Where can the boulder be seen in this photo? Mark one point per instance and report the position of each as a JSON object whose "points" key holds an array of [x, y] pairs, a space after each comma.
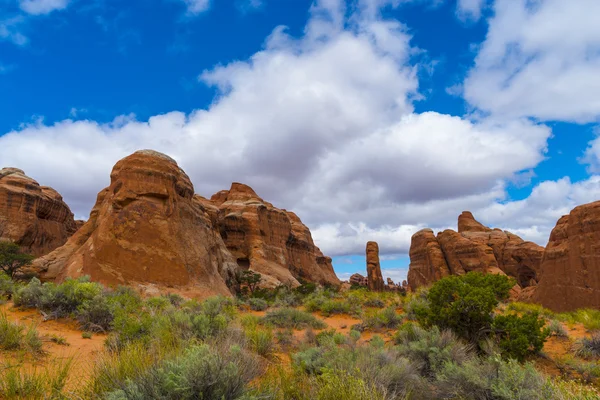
{"points": [[34, 217], [374, 277], [570, 268], [146, 230]]}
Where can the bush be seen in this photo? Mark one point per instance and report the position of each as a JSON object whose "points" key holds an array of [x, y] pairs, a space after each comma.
{"points": [[491, 379], [24, 383], [13, 336], [257, 304], [58, 301], [465, 303], [201, 372], [556, 328], [97, 315], [334, 385], [292, 318], [520, 336], [7, 286], [588, 347], [260, 341], [386, 318]]}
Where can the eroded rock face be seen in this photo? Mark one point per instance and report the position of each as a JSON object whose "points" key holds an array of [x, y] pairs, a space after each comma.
{"points": [[146, 230], [427, 261], [570, 269], [33, 216], [374, 276], [358, 279], [474, 247], [268, 240]]}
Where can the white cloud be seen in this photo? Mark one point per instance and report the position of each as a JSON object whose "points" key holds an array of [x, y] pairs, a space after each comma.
{"points": [[323, 125], [10, 29], [540, 59], [470, 9], [195, 7], [40, 7]]}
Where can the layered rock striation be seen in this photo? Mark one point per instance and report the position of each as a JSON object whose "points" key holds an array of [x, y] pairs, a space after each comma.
{"points": [[33, 216]]}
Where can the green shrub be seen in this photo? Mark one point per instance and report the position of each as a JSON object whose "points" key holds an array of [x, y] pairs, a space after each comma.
{"points": [[11, 334], [491, 379], [257, 304], [431, 349], [285, 337], [86, 335], [465, 303], [260, 341], [556, 328], [7, 286], [589, 371], [335, 385], [588, 347], [97, 315], [330, 337], [201, 372], [292, 318], [520, 336], [386, 318], [59, 339]]}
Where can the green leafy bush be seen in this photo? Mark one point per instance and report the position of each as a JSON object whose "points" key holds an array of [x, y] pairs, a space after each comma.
{"points": [[12, 260], [386, 318], [520, 336], [465, 303], [556, 328]]}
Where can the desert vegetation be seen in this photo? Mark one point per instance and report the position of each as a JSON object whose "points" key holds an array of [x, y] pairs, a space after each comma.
{"points": [[458, 339]]}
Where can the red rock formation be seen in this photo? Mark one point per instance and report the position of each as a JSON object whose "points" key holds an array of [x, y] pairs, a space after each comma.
{"points": [[570, 276], [474, 247], [33, 216], [427, 261], [146, 230], [268, 240], [358, 279], [374, 277]]}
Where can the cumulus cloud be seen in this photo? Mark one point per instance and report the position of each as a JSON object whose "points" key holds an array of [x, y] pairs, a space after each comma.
{"points": [[540, 59], [324, 125], [40, 7]]}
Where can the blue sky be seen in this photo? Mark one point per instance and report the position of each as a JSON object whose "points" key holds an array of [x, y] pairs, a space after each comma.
{"points": [[371, 119]]}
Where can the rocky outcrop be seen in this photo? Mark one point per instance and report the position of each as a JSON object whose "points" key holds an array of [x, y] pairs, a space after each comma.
{"points": [[374, 277], [427, 261], [146, 230], [474, 247], [33, 216], [570, 268], [358, 280], [266, 239]]}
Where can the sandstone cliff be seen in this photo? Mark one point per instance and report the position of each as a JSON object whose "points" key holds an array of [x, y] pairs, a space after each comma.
{"points": [[33, 216], [474, 247], [149, 230], [570, 270]]}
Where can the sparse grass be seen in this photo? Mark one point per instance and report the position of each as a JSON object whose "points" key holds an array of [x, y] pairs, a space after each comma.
{"points": [[17, 382], [14, 336], [59, 339], [86, 335], [588, 347], [589, 318], [260, 341], [292, 318], [556, 328]]}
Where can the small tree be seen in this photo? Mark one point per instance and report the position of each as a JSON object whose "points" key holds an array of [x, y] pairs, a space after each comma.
{"points": [[12, 259], [251, 279]]}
